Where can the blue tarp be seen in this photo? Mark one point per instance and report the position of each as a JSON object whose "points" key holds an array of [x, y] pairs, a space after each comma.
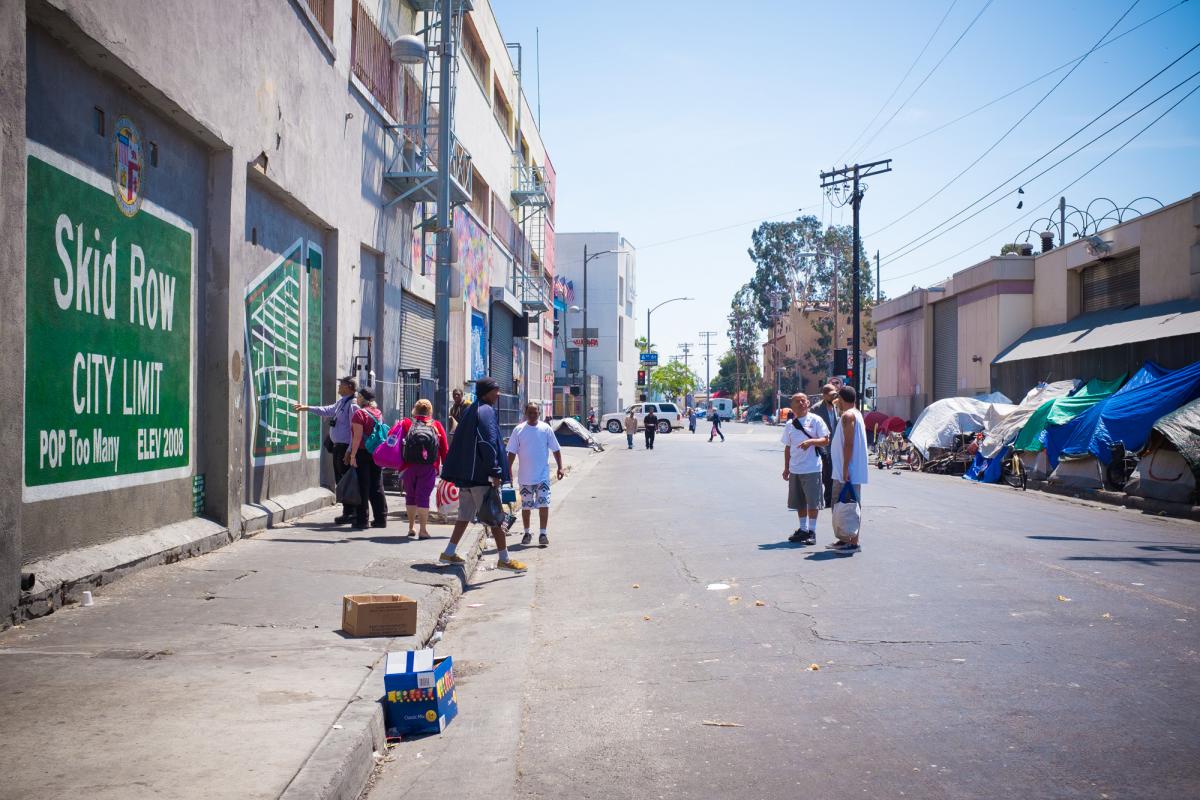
{"points": [[987, 470], [1128, 416]]}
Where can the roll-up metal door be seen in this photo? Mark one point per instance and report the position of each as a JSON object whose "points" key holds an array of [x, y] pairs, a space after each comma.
{"points": [[416, 335], [1115, 283], [500, 355], [945, 349]]}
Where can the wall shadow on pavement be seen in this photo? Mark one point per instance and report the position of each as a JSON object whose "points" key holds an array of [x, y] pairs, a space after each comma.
{"points": [[1149, 561], [1046, 538]]}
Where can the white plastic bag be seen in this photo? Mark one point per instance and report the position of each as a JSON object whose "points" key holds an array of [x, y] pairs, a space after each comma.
{"points": [[847, 514]]}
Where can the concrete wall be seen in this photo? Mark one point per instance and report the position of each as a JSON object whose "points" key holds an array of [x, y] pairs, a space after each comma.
{"points": [[12, 301], [903, 369]]}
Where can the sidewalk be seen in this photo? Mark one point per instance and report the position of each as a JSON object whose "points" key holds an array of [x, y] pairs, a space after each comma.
{"points": [[223, 676]]}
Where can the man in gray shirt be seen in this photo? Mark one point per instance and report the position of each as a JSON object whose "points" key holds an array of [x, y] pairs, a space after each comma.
{"points": [[339, 433]]}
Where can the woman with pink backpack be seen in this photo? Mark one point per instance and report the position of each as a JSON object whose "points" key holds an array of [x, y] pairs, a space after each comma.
{"points": [[422, 443]]}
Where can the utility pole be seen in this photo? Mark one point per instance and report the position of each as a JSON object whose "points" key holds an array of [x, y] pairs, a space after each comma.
{"points": [[829, 181], [686, 347], [441, 314], [587, 409], [878, 287], [708, 362]]}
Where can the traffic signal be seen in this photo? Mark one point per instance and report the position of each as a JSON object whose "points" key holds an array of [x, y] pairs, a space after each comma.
{"points": [[641, 377], [840, 362]]}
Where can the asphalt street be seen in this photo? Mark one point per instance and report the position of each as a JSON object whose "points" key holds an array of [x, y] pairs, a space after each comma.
{"points": [[985, 643]]}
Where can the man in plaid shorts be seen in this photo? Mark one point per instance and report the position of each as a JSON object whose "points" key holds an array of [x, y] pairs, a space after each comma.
{"points": [[531, 444]]}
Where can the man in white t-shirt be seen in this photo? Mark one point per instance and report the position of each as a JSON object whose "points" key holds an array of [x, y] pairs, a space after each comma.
{"points": [[531, 444], [802, 437]]}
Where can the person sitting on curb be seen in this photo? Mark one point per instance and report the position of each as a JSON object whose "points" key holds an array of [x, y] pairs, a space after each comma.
{"points": [[530, 445], [475, 464]]}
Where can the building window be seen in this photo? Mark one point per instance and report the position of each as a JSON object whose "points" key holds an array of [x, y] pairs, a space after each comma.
{"points": [[371, 60], [481, 198], [1113, 283], [322, 11], [503, 111], [473, 51]]}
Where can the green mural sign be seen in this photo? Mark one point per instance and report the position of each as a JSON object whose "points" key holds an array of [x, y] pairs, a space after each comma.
{"points": [[108, 335], [283, 349]]}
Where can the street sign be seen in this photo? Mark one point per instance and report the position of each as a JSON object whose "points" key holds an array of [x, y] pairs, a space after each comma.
{"points": [[649, 358]]}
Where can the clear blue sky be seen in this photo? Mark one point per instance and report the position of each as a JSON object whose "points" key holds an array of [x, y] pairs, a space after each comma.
{"points": [[668, 119]]}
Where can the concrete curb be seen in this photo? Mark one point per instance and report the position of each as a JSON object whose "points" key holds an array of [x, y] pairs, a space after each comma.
{"points": [[1144, 504], [258, 517], [338, 768]]}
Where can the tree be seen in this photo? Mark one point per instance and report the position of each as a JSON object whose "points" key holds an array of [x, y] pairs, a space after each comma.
{"points": [[732, 377], [743, 335], [780, 272], [641, 344], [673, 380]]}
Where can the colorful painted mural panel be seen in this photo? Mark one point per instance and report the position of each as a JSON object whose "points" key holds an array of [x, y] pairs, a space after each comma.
{"points": [[471, 242]]}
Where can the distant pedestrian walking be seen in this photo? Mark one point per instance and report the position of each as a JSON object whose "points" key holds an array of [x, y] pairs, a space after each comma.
{"points": [[370, 475], [803, 437], [716, 424], [848, 449], [530, 446], [338, 440], [423, 447], [691, 415], [651, 423], [630, 427], [475, 464]]}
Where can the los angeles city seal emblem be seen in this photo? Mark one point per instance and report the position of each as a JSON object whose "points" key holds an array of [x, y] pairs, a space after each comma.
{"points": [[128, 166]]}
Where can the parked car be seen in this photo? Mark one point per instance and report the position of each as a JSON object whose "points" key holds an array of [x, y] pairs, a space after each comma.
{"points": [[669, 417], [723, 406]]}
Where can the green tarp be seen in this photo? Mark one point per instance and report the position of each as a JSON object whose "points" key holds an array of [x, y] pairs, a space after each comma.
{"points": [[1182, 428], [1063, 409]]}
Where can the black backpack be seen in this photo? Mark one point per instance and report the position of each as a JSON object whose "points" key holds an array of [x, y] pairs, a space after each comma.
{"points": [[421, 444]]}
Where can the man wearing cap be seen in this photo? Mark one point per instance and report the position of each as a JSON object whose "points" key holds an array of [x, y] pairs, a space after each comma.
{"points": [[339, 432], [476, 462]]}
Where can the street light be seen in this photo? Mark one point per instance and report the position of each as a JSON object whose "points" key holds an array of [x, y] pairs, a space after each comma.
{"points": [[586, 258], [649, 341]]}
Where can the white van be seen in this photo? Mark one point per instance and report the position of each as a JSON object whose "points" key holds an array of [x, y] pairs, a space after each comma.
{"points": [[722, 406]]}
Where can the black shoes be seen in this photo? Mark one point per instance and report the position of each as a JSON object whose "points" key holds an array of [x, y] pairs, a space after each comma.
{"points": [[342, 519], [803, 537]]}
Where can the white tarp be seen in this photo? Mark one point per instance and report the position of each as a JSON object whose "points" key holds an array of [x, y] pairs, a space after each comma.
{"points": [[1163, 474], [1001, 432], [940, 422], [571, 432], [995, 397]]}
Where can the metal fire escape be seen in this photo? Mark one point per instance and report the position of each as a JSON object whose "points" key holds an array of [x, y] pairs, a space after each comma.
{"points": [[531, 201], [412, 163]]}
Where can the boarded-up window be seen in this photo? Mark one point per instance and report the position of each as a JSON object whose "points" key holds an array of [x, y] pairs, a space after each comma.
{"points": [[1115, 283], [503, 111], [472, 50], [481, 198]]}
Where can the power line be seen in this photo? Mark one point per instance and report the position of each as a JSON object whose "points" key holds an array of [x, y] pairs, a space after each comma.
{"points": [[1012, 128], [897, 254], [928, 75], [891, 96], [1038, 79], [1050, 199]]}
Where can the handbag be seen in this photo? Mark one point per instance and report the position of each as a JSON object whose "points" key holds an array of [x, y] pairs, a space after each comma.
{"points": [[847, 514], [347, 492], [390, 454]]}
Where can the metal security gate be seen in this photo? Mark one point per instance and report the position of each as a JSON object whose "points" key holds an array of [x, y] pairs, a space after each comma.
{"points": [[416, 335], [1114, 283], [500, 356], [945, 349]]}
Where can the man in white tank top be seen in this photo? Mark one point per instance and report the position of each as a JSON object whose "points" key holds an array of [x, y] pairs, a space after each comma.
{"points": [[848, 452]]}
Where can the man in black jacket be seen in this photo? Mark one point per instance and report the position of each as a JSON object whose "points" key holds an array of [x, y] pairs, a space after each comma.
{"points": [[477, 464], [829, 414]]}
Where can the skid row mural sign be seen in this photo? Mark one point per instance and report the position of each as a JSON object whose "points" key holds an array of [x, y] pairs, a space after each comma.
{"points": [[283, 348], [108, 332]]}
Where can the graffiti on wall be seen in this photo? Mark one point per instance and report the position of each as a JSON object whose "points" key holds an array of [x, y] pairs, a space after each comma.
{"points": [[471, 242], [283, 343]]}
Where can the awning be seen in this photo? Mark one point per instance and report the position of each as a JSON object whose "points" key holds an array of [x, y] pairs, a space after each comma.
{"points": [[1107, 329]]}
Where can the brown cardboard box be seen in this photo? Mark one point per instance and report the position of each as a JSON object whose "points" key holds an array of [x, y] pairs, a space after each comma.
{"points": [[379, 615]]}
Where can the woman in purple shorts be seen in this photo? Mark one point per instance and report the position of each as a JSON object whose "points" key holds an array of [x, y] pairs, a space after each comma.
{"points": [[424, 445]]}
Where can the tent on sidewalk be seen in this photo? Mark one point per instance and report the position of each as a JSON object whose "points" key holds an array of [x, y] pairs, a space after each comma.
{"points": [[1170, 465], [1001, 432], [571, 433], [1126, 418], [945, 419], [1059, 410]]}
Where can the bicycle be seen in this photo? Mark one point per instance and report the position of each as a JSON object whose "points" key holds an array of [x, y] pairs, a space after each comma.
{"points": [[1013, 472]]}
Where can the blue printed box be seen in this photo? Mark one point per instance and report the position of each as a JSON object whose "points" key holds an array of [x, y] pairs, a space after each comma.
{"points": [[420, 692]]}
